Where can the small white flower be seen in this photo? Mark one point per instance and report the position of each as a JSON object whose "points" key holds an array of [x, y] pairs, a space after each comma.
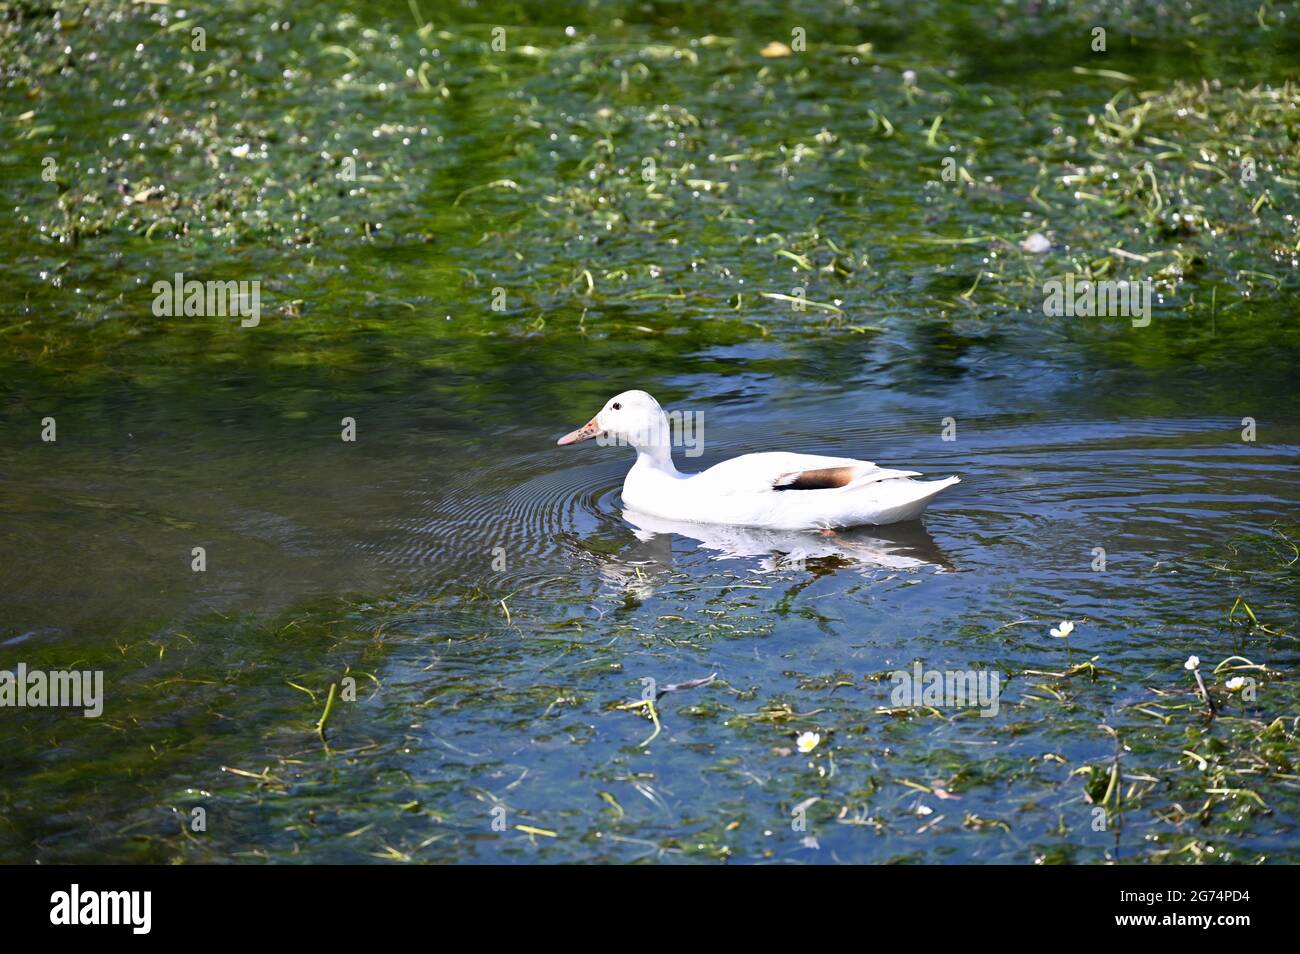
{"points": [[1036, 244], [1193, 662], [1064, 630], [241, 151], [1235, 684], [807, 741]]}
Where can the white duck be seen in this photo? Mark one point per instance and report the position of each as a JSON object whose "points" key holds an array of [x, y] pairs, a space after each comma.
{"points": [[774, 491]]}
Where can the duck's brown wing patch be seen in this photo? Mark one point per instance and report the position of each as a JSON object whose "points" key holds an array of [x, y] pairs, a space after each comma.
{"points": [[824, 478]]}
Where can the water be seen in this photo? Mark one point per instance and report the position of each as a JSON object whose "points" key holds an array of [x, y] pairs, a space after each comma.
{"points": [[484, 589]]}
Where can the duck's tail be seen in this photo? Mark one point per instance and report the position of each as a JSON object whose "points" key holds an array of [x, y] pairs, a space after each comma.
{"points": [[894, 501]]}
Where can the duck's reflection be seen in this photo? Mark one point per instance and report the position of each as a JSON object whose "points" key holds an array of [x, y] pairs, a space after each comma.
{"points": [[903, 546]]}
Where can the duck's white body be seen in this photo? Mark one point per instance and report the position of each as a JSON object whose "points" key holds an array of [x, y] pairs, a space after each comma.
{"points": [[772, 491], [747, 491]]}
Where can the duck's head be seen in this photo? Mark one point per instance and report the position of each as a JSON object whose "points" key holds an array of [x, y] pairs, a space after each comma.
{"points": [[632, 418]]}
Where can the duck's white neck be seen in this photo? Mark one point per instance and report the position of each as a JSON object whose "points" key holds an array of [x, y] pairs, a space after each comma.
{"points": [[658, 456], [653, 442]]}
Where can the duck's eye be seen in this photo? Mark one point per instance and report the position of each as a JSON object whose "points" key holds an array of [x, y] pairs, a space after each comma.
{"points": [[617, 406]]}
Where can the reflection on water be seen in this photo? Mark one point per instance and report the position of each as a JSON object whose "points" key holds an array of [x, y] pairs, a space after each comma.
{"points": [[906, 546], [495, 602]]}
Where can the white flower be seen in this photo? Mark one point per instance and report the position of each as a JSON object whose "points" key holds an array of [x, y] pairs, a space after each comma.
{"points": [[1235, 684], [1193, 662], [1064, 630], [807, 741], [1036, 244], [240, 151]]}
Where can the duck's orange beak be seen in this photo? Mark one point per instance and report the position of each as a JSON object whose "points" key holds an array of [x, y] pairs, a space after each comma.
{"points": [[585, 433]]}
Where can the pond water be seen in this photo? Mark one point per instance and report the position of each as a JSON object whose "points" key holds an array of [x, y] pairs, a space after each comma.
{"points": [[502, 263]]}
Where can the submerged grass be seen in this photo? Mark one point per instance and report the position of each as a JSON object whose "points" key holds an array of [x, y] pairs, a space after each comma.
{"points": [[630, 158]]}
